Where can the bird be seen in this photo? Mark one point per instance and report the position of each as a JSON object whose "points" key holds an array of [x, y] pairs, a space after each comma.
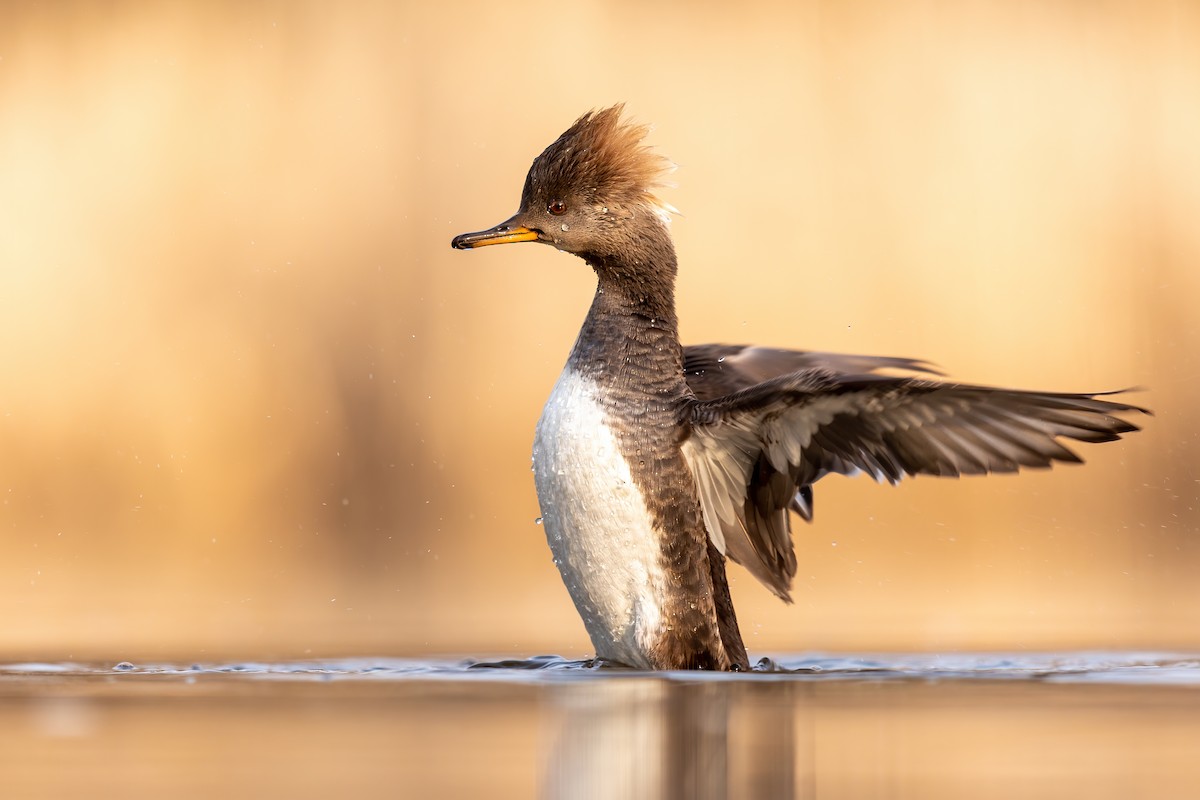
{"points": [[654, 463]]}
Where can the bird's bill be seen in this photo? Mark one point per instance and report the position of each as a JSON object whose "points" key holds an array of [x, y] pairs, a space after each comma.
{"points": [[505, 233]]}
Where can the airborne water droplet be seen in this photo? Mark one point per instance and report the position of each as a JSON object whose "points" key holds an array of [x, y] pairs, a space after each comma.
{"points": [[537, 521]]}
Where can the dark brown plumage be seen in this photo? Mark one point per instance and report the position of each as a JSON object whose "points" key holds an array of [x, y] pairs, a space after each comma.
{"points": [[712, 444]]}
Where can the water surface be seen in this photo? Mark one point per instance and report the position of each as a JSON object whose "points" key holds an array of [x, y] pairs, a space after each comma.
{"points": [[894, 726]]}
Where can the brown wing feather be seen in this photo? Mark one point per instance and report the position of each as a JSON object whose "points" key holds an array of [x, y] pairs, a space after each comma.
{"points": [[794, 429], [717, 370]]}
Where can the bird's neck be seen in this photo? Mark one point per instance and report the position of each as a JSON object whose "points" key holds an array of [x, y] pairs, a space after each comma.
{"points": [[631, 334]]}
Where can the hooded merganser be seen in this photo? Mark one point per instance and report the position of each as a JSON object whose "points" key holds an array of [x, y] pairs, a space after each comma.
{"points": [[654, 461]]}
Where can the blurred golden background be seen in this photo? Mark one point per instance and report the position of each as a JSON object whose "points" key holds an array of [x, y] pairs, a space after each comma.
{"points": [[253, 405]]}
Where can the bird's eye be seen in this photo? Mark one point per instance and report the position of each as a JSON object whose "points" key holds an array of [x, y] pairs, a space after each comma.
{"points": [[556, 207]]}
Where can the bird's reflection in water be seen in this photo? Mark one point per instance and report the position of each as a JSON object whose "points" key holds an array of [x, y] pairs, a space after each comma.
{"points": [[653, 738]]}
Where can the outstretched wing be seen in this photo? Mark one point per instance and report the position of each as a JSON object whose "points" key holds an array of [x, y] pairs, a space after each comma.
{"points": [[716, 370], [751, 451]]}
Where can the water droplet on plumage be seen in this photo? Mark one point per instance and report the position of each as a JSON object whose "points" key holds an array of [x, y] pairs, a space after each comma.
{"points": [[537, 521]]}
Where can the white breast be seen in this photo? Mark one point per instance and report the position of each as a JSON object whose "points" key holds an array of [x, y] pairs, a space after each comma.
{"points": [[596, 523]]}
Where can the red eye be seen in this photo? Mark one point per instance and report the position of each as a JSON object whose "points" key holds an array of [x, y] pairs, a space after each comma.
{"points": [[556, 207]]}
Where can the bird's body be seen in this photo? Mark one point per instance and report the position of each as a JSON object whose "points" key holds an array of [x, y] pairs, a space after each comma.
{"points": [[603, 539], [653, 462]]}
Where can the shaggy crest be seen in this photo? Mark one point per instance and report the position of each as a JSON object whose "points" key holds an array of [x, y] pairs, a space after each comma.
{"points": [[603, 158]]}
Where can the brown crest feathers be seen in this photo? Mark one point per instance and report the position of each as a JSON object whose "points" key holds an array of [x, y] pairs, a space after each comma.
{"points": [[601, 158]]}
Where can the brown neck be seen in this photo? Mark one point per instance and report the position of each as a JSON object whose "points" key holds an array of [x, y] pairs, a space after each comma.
{"points": [[631, 335]]}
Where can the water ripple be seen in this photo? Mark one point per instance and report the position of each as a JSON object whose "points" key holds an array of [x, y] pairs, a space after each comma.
{"points": [[1103, 667]]}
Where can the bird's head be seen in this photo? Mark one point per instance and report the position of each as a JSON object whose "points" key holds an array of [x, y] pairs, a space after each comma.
{"points": [[591, 193]]}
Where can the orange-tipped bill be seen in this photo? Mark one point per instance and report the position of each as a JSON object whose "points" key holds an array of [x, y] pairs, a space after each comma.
{"points": [[504, 233]]}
